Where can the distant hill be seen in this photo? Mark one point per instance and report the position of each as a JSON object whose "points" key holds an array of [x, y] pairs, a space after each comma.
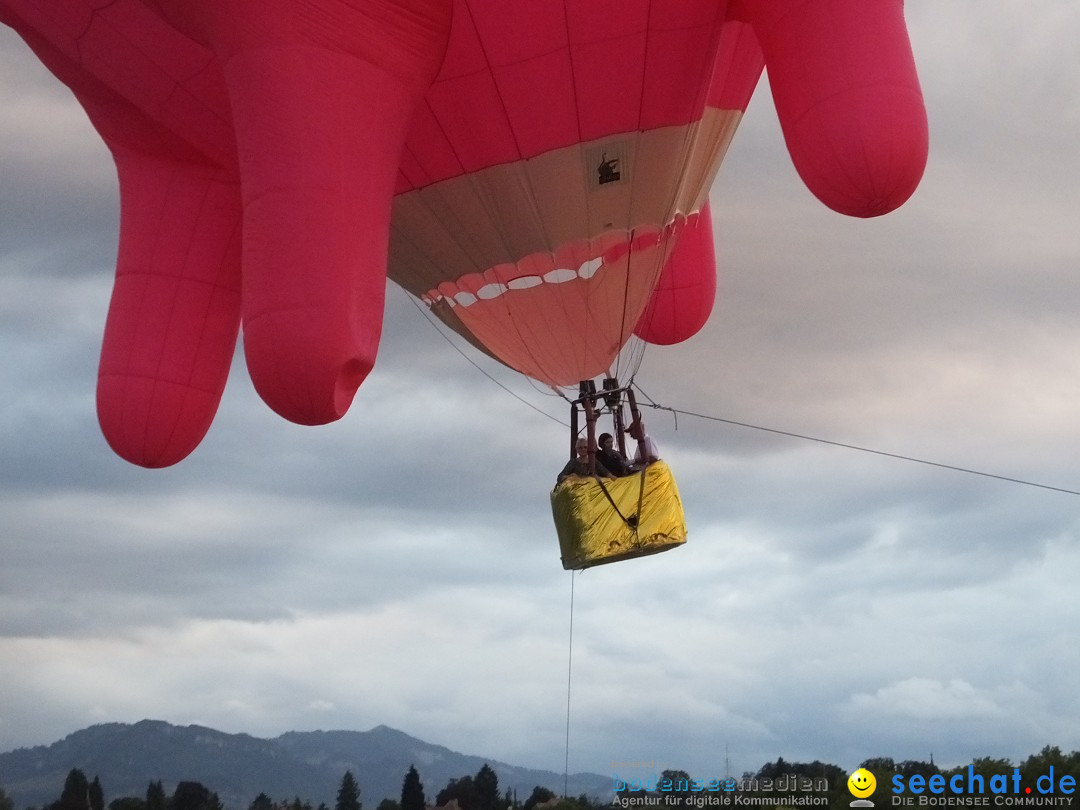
{"points": [[127, 757]]}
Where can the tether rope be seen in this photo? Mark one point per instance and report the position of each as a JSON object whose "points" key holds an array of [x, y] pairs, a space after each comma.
{"points": [[569, 673], [861, 449]]}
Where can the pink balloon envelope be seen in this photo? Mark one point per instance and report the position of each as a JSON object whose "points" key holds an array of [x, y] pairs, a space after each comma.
{"points": [[536, 171]]}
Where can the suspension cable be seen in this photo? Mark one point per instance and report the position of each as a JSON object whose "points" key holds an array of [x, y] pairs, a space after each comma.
{"points": [[475, 365]]}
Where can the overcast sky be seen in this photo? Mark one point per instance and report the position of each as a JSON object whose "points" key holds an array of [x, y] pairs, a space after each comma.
{"points": [[400, 567]]}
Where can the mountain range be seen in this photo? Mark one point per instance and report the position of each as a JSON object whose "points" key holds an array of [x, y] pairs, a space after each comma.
{"points": [[238, 767]]}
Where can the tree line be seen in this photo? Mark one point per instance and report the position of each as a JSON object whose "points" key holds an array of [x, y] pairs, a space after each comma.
{"points": [[481, 791], [827, 780], [478, 791]]}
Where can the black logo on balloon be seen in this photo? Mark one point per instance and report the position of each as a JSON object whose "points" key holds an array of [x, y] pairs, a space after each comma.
{"points": [[608, 170]]}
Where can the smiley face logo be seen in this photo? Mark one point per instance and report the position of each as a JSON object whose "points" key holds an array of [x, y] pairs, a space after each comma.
{"points": [[861, 783]]}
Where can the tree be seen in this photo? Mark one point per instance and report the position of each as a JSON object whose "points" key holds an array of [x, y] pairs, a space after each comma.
{"points": [[5, 802], [194, 796], [348, 796], [539, 795], [675, 784], [127, 803], [76, 793], [96, 795], [261, 802], [389, 804], [462, 790], [913, 767], [582, 802], [412, 791], [815, 774], [155, 796], [879, 765], [1051, 756], [487, 789], [987, 767]]}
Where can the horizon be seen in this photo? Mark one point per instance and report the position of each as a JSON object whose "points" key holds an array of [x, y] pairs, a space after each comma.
{"points": [[636, 770]]}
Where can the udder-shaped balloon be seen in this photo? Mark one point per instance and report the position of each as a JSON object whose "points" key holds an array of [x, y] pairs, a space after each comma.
{"points": [[256, 143], [526, 168]]}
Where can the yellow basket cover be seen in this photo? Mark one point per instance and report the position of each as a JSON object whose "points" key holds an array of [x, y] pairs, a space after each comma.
{"points": [[591, 529]]}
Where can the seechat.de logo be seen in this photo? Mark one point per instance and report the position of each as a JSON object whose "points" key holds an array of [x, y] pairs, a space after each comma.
{"points": [[862, 784]]}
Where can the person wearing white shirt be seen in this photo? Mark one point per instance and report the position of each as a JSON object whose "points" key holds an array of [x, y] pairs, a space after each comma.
{"points": [[647, 452]]}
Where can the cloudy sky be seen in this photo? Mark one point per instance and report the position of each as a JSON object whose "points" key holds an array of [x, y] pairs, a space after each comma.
{"points": [[400, 567]]}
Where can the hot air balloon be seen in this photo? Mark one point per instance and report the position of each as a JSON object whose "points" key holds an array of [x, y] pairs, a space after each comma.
{"points": [[535, 171]]}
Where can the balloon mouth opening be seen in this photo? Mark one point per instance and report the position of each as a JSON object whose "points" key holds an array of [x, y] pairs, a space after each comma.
{"points": [[583, 260]]}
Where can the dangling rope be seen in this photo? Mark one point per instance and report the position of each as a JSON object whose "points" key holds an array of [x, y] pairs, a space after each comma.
{"points": [[641, 497], [569, 673], [632, 521]]}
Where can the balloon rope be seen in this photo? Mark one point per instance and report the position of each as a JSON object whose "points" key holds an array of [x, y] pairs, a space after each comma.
{"points": [[861, 449], [569, 672], [424, 311]]}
